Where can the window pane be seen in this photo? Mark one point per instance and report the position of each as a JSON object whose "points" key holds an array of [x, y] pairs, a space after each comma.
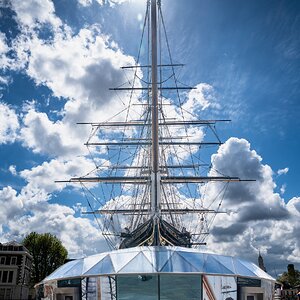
{"points": [[8, 294], [13, 261], [10, 277], [178, 287], [137, 287], [4, 277]]}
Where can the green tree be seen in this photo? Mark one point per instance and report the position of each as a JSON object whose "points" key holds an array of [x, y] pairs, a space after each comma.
{"points": [[291, 277], [48, 254]]}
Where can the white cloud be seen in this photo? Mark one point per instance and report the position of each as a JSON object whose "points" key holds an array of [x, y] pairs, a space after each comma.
{"points": [[257, 216], [43, 177], [80, 68], [3, 46], [294, 206], [282, 171], [9, 124], [34, 12], [101, 2], [235, 158], [200, 99], [85, 2], [52, 138], [283, 189], [79, 235], [10, 205], [4, 60], [12, 170], [4, 80]]}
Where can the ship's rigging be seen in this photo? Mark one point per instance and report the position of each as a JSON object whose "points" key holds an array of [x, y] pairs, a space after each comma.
{"points": [[152, 188]]}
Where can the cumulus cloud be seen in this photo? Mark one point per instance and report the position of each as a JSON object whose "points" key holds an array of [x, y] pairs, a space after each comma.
{"points": [[49, 137], [80, 69], [235, 158], [9, 124], [200, 99], [43, 177], [10, 205], [79, 235], [34, 12], [257, 217], [28, 210]]}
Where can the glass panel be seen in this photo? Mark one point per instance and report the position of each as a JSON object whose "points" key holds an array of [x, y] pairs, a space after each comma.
{"points": [[148, 286], [178, 287], [269, 288], [219, 287], [142, 286]]}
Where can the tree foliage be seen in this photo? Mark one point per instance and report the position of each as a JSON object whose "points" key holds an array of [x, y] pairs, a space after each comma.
{"points": [[48, 254], [291, 277]]}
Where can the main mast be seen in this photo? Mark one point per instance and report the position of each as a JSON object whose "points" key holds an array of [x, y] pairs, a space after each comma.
{"points": [[155, 174], [155, 208]]}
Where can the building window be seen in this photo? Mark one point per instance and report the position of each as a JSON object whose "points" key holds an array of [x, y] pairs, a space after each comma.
{"points": [[5, 293], [2, 293], [2, 260], [4, 276], [13, 260], [164, 286], [10, 276]]}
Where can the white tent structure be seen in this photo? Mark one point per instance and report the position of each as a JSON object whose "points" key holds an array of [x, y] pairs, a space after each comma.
{"points": [[168, 271], [146, 260]]}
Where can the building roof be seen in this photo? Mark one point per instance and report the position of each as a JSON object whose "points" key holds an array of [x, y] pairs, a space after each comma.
{"points": [[13, 246], [145, 260]]}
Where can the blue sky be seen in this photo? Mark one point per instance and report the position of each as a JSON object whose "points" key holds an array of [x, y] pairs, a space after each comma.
{"points": [[57, 61]]}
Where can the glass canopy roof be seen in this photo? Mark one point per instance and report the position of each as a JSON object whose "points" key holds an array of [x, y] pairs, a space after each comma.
{"points": [[145, 260]]}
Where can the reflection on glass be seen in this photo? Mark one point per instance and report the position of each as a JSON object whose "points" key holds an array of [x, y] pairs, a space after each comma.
{"points": [[219, 288], [142, 286], [162, 287], [178, 287]]}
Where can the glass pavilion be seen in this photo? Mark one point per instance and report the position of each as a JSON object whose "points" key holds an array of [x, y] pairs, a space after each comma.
{"points": [[152, 273]]}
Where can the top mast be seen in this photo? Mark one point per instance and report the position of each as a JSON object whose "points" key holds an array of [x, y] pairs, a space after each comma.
{"points": [[155, 176]]}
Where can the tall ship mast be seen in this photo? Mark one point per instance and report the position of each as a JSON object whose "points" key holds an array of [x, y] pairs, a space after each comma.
{"points": [[153, 194], [152, 186]]}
